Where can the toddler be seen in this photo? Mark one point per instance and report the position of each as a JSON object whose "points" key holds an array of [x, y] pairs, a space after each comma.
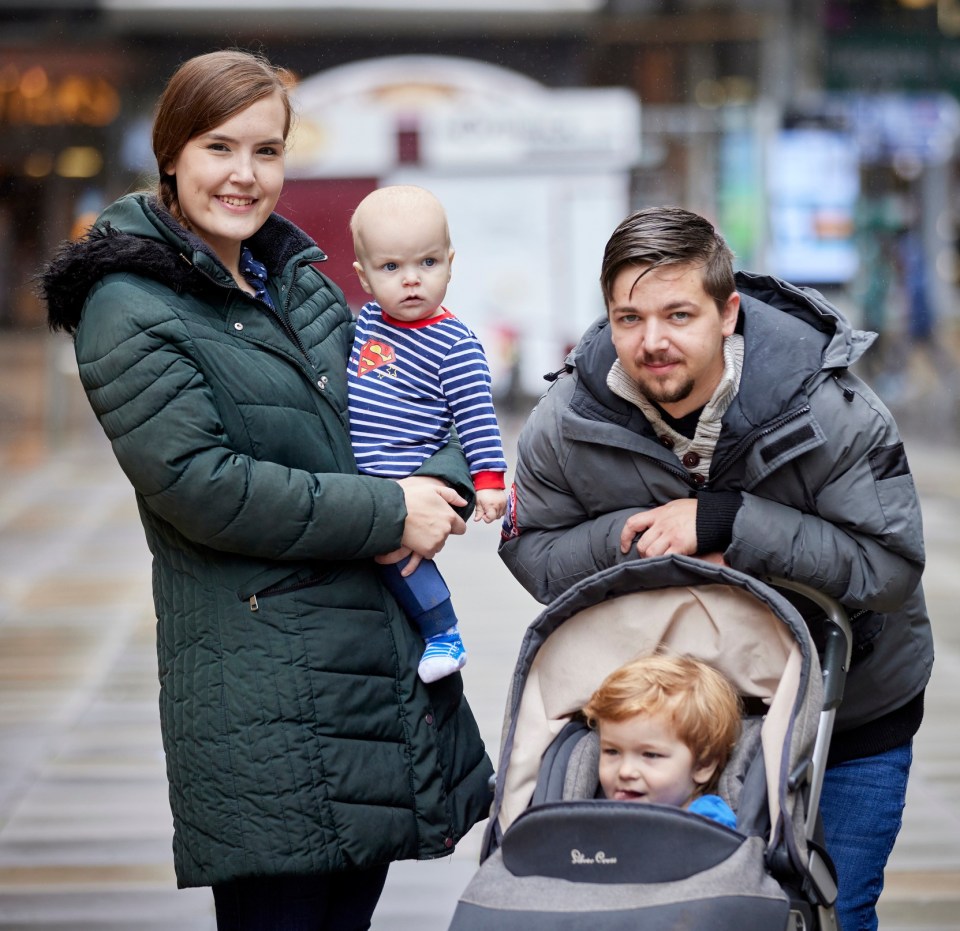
{"points": [[416, 371], [667, 726]]}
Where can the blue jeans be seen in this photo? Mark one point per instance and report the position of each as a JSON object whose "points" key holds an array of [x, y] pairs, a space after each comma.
{"points": [[862, 809], [320, 902]]}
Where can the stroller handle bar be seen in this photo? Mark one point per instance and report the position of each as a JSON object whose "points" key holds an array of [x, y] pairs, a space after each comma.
{"points": [[833, 665], [835, 660]]}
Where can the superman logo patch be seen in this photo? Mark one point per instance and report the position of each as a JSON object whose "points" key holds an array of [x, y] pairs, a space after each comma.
{"points": [[373, 354]]}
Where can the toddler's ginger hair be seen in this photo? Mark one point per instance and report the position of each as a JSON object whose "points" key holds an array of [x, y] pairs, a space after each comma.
{"points": [[699, 702]]}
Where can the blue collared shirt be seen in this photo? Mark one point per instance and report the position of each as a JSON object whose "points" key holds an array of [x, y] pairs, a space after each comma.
{"points": [[256, 275]]}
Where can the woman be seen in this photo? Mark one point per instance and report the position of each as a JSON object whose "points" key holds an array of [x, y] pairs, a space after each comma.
{"points": [[303, 753]]}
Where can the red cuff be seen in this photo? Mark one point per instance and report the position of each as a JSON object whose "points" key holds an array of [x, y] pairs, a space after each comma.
{"points": [[485, 480]]}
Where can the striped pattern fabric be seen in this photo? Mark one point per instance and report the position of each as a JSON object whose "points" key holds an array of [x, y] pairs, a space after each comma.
{"points": [[409, 383]]}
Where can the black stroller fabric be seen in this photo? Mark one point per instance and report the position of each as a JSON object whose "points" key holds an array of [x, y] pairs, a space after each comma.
{"points": [[556, 857]]}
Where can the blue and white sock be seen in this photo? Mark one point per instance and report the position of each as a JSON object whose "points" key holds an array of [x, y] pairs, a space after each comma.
{"points": [[444, 655]]}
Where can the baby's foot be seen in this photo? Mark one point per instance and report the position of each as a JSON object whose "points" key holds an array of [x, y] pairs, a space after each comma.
{"points": [[444, 655]]}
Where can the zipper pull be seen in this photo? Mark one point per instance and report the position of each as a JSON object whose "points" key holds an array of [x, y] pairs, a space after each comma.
{"points": [[253, 603]]}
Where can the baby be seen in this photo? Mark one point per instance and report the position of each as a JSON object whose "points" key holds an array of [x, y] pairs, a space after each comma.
{"points": [[667, 726], [416, 371]]}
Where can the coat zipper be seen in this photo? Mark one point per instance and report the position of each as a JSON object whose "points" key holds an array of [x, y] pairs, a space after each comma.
{"points": [[754, 438], [270, 591], [281, 317]]}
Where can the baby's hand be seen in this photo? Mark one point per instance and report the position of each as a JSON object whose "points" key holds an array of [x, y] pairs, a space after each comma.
{"points": [[491, 504]]}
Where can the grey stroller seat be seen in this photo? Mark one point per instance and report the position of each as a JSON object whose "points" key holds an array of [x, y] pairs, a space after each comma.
{"points": [[556, 857]]}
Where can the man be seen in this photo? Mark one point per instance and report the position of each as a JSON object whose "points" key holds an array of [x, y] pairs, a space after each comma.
{"points": [[714, 415]]}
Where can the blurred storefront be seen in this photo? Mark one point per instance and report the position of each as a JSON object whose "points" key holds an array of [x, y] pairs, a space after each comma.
{"points": [[742, 100], [59, 112]]}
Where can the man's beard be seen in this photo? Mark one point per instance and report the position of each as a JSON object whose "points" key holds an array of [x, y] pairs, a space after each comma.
{"points": [[664, 394]]}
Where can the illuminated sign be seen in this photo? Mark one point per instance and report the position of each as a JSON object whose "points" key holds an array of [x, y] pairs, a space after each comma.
{"points": [[31, 97]]}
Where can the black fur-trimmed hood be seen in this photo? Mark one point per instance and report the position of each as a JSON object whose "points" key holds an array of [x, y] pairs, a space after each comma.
{"points": [[77, 266], [149, 242]]}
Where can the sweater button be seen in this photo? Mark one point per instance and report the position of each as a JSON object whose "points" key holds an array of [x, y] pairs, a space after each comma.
{"points": [[666, 441], [698, 479], [690, 459]]}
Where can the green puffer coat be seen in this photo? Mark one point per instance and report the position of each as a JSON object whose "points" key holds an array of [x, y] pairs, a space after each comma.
{"points": [[298, 736]]}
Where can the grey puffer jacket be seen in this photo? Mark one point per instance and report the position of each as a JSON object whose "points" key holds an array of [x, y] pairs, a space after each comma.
{"points": [[298, 736], [828, 497]]}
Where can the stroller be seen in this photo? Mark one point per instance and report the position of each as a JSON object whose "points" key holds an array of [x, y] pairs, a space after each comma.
{"points": [[556, 857]]}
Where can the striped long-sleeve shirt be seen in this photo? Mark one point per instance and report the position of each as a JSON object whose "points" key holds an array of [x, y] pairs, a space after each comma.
{"points": [[409, 383]]}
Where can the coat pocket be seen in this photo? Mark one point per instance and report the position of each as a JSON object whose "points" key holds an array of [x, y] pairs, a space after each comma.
{"points": [[278, 580]]}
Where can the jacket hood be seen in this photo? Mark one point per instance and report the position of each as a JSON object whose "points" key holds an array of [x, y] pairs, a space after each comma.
{"points": [[138, 235], [844, 345]]}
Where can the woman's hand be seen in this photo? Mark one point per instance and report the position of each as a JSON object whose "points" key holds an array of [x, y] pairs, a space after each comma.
{"points": [[431, 518]]}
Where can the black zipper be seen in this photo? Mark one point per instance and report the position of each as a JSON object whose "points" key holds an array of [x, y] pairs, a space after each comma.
{"points": [[280, 589], [280, 317], [681, 474], [753, 438], [285, 316]]}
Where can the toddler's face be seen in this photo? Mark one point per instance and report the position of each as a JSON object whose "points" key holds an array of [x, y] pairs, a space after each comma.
{"points": [[643, 760], [406, 265]]}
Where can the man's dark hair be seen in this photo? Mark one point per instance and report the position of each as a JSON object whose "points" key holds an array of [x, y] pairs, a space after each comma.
{"points": [[657, 236]]}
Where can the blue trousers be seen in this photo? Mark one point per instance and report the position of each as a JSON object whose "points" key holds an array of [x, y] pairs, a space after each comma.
{"points": [[319, 902], [423, 596], [862, 810]]}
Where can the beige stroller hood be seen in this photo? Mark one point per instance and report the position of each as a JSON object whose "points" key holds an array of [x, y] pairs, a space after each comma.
{"points": [[744, 628]]}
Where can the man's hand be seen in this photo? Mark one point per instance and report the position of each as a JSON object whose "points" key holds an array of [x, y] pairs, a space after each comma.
{"points": [[670, 528]]}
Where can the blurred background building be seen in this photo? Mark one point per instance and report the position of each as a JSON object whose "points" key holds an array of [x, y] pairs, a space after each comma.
{"points": [[820, 135]]}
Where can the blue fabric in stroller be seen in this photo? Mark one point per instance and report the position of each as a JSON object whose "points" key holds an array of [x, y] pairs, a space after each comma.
{"points": [[557, 857]]}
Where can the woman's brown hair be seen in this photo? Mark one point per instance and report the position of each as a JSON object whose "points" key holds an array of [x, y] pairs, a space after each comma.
{"points": [[203, 93]]}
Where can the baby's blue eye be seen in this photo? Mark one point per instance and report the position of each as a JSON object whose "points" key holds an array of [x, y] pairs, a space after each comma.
{"points": [[429, 262], [390, 266]]}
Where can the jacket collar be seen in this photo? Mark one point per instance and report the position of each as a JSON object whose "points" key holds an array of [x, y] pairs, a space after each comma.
{"points": [[792, 330], [136, 234], [785, 329]]}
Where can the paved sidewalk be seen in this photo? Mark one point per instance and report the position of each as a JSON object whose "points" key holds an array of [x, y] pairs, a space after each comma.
{"points": [[84, 823]]}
